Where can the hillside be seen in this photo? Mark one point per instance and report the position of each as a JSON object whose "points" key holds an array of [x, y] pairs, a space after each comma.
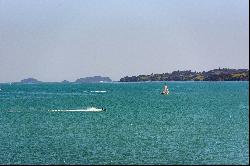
{"points": [[224, 74]]}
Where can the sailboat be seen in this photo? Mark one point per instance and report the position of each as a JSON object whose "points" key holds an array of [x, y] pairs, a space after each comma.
{"points": [[165, 90]]}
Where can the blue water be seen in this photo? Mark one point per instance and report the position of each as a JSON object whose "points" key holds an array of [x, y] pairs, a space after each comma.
{"points": [[197, 123]]}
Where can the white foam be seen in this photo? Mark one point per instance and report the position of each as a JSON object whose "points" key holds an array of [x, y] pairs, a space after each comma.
{"points": [[99, 91], [90, 109]]}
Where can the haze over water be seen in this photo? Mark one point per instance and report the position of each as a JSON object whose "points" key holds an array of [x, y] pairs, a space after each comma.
{"points": [[70, 39]]}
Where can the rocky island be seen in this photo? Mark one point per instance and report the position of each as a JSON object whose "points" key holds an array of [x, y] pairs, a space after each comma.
{"points": [[65, 82], [224, 74], [94, 79], [30, 81]]}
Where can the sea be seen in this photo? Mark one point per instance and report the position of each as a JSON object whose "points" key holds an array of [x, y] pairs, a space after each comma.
{"points": [[124, 123]]}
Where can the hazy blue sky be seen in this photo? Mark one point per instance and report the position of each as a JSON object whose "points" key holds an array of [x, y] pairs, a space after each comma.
{"points": [[52, 40]]}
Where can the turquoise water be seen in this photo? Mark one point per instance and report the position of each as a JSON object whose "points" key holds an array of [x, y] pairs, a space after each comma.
{"points": [[197, 123]]}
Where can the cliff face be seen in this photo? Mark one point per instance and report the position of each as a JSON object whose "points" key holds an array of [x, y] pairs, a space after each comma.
{"points": [[211, 75], [93, 79]]}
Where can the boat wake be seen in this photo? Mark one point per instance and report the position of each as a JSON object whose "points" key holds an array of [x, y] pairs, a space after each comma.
{"points": [[90, 109], [98, 91]]}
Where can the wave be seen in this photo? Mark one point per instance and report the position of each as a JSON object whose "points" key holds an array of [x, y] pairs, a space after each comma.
{"points": [[98, 91], [55, 93], [90, 109]]}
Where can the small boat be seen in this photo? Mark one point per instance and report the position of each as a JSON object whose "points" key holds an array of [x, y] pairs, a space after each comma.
{"points": [[165, 90]]}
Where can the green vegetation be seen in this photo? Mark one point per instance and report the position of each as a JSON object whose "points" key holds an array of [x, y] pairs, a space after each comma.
{"points": [[224, 74]]}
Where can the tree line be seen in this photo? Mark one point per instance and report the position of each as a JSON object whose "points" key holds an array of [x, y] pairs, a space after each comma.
{"points": [[224, 74]]}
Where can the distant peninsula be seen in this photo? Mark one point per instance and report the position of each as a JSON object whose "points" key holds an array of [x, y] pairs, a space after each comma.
{"points": [[224, 74]]}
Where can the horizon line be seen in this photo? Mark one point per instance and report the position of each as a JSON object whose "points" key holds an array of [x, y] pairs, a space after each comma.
{"points": [[123, 76]]}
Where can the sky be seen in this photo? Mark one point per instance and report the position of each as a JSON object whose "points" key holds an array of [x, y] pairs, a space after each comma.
{"points": [[55, 40]]}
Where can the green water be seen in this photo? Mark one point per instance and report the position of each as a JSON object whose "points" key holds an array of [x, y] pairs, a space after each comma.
{"points": [[197, 123]]}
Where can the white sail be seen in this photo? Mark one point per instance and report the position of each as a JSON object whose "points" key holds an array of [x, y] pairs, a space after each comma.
{"points": [[165, 90]]}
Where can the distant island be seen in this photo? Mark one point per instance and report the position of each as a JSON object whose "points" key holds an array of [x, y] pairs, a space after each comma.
{"points": [[30, 81], [224, 74], [93, 79], [65, 81]]}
